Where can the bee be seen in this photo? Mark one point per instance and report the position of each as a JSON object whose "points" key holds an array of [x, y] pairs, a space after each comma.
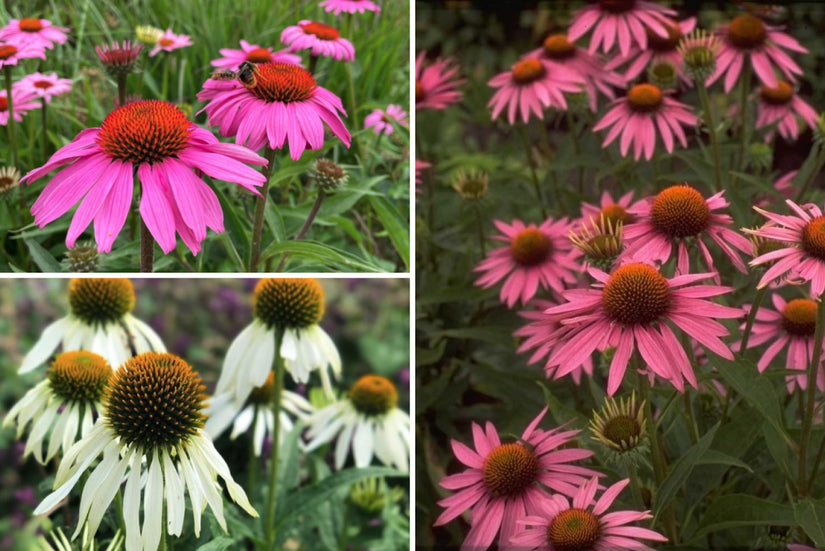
{"points": [[247, 74], [225, 74]]}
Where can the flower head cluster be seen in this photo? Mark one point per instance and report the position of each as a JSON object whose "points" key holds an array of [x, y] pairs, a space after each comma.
{"points": [[320, 39], [30, 31], [46, 86], [170, 41]]}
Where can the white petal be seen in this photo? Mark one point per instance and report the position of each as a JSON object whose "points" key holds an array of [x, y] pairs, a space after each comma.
{"points": [[41, 426], [329, 350], [296, 404], [153, 505], [78, 335], [195, 491], [175, 502], [70, 432], [362, 445], [210, 455], [107, 491], [221, 411], [232, 363], [111, 457], [131, 505], [154, 341], [260, 433], [242, 422], [29, 403], [59, 431], [88, 421], [204, 474], [343, 442], [257, 370], [47, 343], [82, 453], [289, 345]]}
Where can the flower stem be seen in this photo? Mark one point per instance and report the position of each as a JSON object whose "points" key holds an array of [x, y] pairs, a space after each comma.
{"points": [[44, 122], [147, 248], [354, 111], [574, 133], [121, 90], [635, 488], [313, 212], [276, 433], [480, 228], [342, 544], [691, 419], [810, 396], [820, 162], [743, 102], [252, 475], [10, 109], [757, 302], [260, 206], [711, 124], [532, 162], [313, 62]]}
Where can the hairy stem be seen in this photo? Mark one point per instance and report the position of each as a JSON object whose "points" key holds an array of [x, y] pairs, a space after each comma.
{"points": [[276, 433], [260, 208], [533, 172], [711, 124], [147, 248]]}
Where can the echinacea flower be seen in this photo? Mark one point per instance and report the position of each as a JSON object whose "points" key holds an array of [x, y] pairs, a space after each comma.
{"points": [[100, 320], [800, 547], [349, 6], [538, 333], [560, 525], [328, 175], [597, 78], [801, 256], [502, 482], [699, 51], [369, 421], [659, 48], [620, 426], [320, 39], [629, 309], [30, 30], [531, 86], [534, 257], [148, 34], [436, 85], [256, 412], [286, 106], [11, 53], [23, 101], [747, 36], [156, 138], [152, 413], [292, 307], [619, 22], [45, 86], [600, 239], [617, 211], [9, 179], [792, 324], [119, 59], [254, 54], [64, 402], [675, 214], [781, 106], [379, 120], [637, 116], [170, 41]]}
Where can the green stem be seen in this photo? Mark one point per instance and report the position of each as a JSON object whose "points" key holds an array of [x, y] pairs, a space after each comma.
{"points": [[810, 397], [45, 124], [269, 526], [163, 546], [356, 127], [342, 544], [121, 90], [818, 460], [574, 133], [820, 162], [635, 488], [147, 249], [711, 124], [313, 62], [743, 102], [121, 521], [480, 228], [757, 302], [260, 207], [252, 475], [532, 162], [316, 206], [11, 123], [691, 419]]}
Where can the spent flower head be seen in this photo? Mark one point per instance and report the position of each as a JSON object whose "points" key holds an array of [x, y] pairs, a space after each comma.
{"points": [[699, 51], [84, 258], [328, 175], [119, 59], [663, 73], [620, 427], [472, 185], [601, 241], [9, 179]]}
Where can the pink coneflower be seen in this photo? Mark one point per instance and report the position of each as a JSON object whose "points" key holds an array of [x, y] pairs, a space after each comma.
{"points": [[617, 211], [628, 310], [619, 22], [558, 49], [502, 481], [658, 48], [253, 54], [285, 106], [538, 334], [558, 525], [800, 547], [436, 85], [676, 214], [533, 257], [45, 86], [30, 30], [801, 257], [320, 39], [784, 184], [531, 86], [420, 166], [156, 138], [637, 116], [170, 41], [349, 6], [791, 324], [379, 120], [747, 35], [119, 59], [23, 101], [781, 105], [10, 53]]}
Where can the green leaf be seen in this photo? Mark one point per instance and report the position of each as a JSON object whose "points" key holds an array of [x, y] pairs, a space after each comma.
{"points": [[41, 256], [491, 334], [715, 457], [326, 255], [396, 225], [289, 475], [306, 500], [810, 515], [736, 510], [235, 228], [218, 544], [681, 470]]}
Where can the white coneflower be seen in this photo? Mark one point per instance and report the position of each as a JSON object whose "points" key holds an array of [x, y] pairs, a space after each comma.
{"points": [[152, 416], [100, 321], [257, 411], [75, 384], [292, 307], [367, 419]]}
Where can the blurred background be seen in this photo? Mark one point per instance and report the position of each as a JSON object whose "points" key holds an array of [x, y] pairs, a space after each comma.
{"points": [[368, 319]]}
